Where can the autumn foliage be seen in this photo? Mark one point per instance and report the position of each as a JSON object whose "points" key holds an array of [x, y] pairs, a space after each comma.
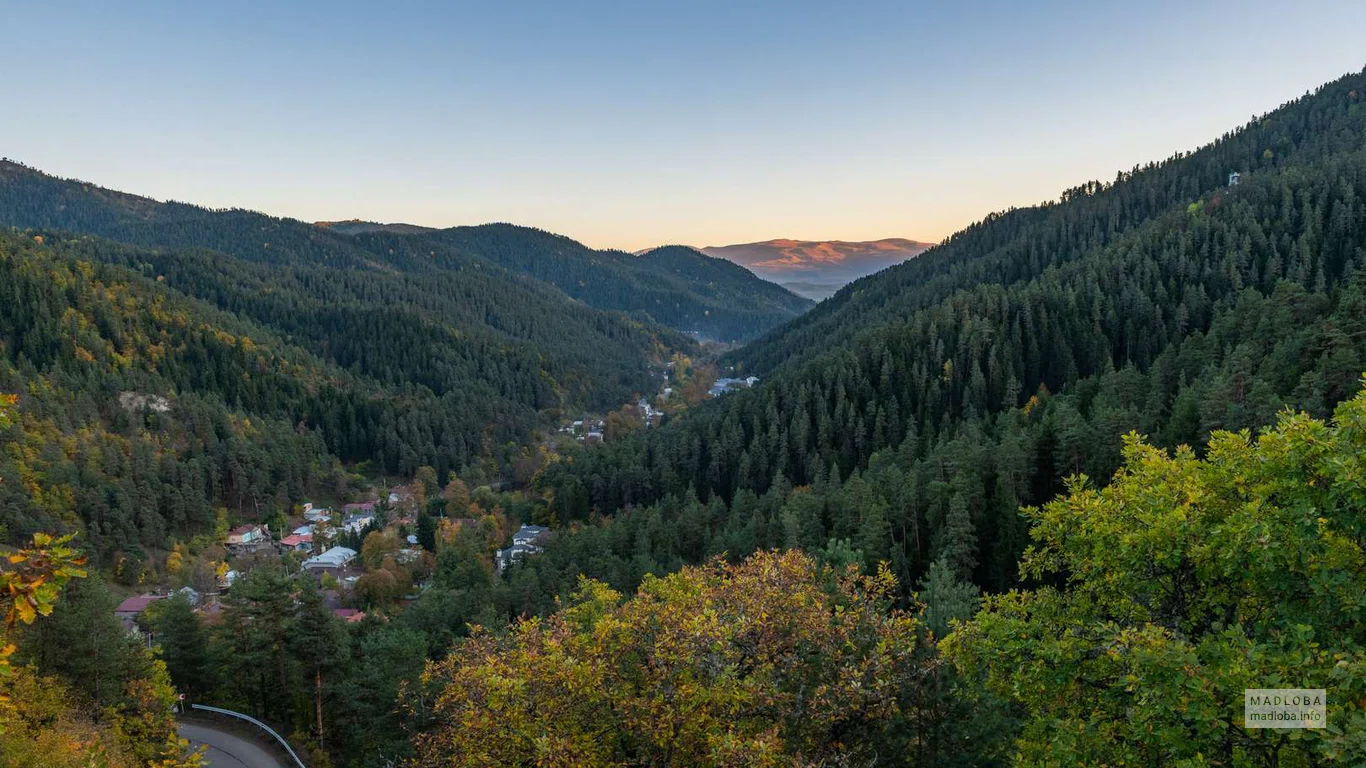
{"points": [[43, 722], [775, 661], [1185, 582]]}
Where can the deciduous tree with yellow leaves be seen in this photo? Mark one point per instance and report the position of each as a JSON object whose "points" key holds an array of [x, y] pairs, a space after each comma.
{"points": [[41, 720], [774, 661], [1184, 582]]}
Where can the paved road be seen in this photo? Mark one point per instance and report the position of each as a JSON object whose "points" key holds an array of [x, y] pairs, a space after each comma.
{"points": [[228, 750]]}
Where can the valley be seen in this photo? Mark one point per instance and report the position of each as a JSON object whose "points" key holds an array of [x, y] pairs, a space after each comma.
{"points": [[1056, 490]]}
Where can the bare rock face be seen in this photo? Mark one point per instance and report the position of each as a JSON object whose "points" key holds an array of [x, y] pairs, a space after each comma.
{"points": [[137, 402]]}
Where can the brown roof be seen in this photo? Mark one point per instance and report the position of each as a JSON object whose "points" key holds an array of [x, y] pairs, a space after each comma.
{"points": [[137, 604]]}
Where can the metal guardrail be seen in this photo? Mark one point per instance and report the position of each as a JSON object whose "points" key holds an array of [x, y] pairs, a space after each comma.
{"points": [[256, 723]]}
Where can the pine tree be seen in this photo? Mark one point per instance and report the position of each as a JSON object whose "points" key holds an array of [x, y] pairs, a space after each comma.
{"points": [[184, 647], [946, 597], [958, 540], [318, 641]]}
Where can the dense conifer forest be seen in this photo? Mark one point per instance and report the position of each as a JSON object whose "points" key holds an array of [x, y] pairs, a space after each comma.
{"points": [[948, 391], [678, 288], [1053, 493]]}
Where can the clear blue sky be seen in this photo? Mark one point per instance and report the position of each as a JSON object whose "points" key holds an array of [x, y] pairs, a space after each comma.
{"points": [[629, 124]]}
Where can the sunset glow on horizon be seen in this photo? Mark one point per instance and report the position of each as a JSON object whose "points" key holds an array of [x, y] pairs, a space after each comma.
{"points": [[638, 125]]}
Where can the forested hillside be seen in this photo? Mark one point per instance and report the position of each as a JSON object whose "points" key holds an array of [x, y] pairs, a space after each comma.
{"points": [[689, 292], [675, 285], [141, 409], [1019, 245], [917, 411], [928, 536], [395, 308]]}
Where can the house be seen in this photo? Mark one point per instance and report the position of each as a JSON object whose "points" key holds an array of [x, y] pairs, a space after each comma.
{"points": [[529, 534], [360, 507], [526, 541], [298, 543], [247, 535], [129, 610], [191, 595], [313, 514], [515, 554], [303, 530], [134, 606], [1233, 179], [348, 615], [332, 560], [593, 437], [227, 580], [724, 385], [357, 523]]}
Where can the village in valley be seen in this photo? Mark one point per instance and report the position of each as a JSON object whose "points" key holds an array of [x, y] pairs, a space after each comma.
{"points": [[368, 557], [683, 383], [373, 555]]}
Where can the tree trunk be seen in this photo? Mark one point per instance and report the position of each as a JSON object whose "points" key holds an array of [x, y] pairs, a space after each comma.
{"points": [[318, 705]]}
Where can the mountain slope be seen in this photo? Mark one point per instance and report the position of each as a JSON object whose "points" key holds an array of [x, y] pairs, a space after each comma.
{"points": [[1021, 244], [731, 305], [817, 269], [908, 418], [140, 410], [678, 287], [393, 307]]}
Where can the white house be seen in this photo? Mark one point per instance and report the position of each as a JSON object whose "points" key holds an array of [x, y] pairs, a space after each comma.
{"points": [[356, 523], [333, 559], [529, 534], [526, 541], [515, 554]]}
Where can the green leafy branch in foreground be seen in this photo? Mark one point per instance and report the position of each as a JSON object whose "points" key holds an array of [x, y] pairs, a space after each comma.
{"points": [[31, 581], [1164, 596]]}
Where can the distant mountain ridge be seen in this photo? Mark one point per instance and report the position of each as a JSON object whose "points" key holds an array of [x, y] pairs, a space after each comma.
{"points": [[399, 310], [818, 268], [729, 305], [359, 227], [676, 286]]}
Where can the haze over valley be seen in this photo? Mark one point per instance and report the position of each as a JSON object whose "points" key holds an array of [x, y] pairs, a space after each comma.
{"points": [[818, 269]]}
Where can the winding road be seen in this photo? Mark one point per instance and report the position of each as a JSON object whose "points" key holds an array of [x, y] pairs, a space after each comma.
{"points": [[228, 750]]}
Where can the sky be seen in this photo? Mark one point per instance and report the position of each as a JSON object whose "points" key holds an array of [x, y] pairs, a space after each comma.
{"points": [[634, 124]]}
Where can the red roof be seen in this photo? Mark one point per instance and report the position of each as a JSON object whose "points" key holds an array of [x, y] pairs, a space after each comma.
{"points": [[297, 539], [362, 506], [137, 604], [241, 529], [351, 615]]}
